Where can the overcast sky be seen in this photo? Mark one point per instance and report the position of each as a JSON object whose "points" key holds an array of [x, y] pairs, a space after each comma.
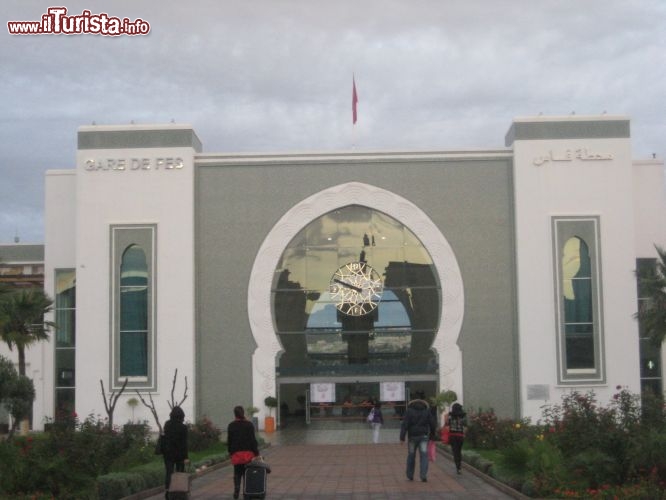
{"points": [[260, 75]]}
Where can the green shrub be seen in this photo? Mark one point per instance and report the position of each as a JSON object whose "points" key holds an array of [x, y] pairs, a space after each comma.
{"points": [[113, 486], [481, 429], [653, 411], [202, 434], [593, 468], [486, 431], [67, 459], [484, 465], [582, 449], [471, 457], [121, 484], [10, 464], [515, 458], [534, 465], [648, 456]]}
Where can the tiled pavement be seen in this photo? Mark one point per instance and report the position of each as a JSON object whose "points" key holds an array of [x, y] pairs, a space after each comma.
{"points": [[343, 464]]}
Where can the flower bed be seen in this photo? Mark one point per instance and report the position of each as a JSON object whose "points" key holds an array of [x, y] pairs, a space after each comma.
{"points": [[579, 450], [87, 459]]}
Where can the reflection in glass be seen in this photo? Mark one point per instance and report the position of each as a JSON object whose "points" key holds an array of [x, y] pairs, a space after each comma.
{"points": [[134, 313], [394, 338], [577, 291], [64, 367], [65, 308], [650, 355]]}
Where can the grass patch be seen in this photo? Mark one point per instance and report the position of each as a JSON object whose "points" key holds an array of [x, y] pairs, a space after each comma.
{"points": [[217, 449]]}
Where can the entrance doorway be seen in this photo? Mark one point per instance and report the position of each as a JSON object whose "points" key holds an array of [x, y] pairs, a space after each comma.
{"points": [[349, 404]]}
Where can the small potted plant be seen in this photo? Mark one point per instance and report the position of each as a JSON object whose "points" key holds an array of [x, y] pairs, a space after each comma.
{"points": [[252, 411], [269, 422]]}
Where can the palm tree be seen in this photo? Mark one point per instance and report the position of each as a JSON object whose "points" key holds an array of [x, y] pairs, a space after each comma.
{"points": [[22, 320], [652, 312]]}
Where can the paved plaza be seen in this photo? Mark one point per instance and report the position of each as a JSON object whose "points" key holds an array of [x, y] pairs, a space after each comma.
{"points": [[342, 463]]}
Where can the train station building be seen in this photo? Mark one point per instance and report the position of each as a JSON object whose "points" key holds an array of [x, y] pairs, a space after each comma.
{"points": [[328, 279]]}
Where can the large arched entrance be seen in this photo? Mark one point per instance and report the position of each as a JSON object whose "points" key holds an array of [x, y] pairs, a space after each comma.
{"points": [[363, 295]]}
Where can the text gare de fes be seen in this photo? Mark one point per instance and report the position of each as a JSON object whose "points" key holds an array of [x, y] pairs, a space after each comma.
{"points": [[167, 163]]}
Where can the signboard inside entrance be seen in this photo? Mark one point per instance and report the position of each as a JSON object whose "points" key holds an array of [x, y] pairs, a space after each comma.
{"points": [[322, 393], [392, 391]]}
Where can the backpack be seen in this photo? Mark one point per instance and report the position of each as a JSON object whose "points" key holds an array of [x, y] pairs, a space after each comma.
{"points": [[457, 424]]}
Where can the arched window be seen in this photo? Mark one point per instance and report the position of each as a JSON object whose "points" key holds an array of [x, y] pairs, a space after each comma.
{"points": [[133, 313], [355, 292], [133, 299], [579, 318]]}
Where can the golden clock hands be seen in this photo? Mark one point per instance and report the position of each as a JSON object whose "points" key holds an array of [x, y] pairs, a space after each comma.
{"points": [[348, 285]]}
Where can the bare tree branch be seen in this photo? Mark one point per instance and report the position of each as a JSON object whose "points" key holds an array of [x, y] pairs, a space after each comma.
{"points": [[172, 403], [106, 406], [184, 394], [110, 404], [151, 407], [173, 388]]}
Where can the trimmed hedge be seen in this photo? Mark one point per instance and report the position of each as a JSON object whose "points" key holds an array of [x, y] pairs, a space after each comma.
{"points": [[122, 484]]}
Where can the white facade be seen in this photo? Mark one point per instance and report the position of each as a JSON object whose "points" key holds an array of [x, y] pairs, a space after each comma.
{"points": [[576, 178], [554, 179], [139, 187]]}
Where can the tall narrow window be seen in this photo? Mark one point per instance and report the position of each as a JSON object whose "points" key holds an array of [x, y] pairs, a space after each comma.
{"points": [[578, 296], [134, 313], [133, 306], [65, 341], [651, 369]]}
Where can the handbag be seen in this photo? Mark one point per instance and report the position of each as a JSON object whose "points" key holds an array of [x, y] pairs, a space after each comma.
{"points": [[371, 416], [242, 457], [445, 434], [180, 482], [159, 445], [432, 451]]}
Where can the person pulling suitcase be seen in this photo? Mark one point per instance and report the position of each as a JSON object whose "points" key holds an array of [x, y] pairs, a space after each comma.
{"points": [[242, 445]]}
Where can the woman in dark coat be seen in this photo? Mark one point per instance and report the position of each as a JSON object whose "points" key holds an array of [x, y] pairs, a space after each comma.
{"points": [[174, 445], [242, 445], [457, 422]]}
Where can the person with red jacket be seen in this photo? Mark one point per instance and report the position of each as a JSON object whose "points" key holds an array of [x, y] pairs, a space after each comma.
{"points": [[242, 445]]}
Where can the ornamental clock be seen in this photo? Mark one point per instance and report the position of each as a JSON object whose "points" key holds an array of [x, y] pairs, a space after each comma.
{"points": [[357, 289]]}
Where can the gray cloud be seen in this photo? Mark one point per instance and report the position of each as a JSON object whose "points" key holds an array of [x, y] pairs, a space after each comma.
{"points": [[276, 76]]}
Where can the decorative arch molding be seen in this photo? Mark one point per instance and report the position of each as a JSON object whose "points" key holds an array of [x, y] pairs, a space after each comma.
{"points": [[401, 209]]}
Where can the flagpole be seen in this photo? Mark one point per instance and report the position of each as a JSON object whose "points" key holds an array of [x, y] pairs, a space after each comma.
{"points": [[354, 111]]}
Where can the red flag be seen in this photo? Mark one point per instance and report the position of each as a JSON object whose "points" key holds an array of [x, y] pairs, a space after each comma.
{"points": [[354, 101]]}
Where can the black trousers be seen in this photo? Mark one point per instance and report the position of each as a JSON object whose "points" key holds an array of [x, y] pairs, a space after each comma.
{"points": [[456, 443], [239, 472]]}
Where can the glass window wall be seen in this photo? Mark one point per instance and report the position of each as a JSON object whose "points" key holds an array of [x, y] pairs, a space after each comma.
{"points": [[355, 292], [65, 342]]}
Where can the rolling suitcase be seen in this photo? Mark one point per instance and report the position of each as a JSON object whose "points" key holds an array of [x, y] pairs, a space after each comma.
{"points": [[254, 484]]}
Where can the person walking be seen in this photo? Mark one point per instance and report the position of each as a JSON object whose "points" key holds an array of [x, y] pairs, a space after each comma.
{"points": [[376, 421], [174, 445], [242, 445], [418, 426], [457, 422]]}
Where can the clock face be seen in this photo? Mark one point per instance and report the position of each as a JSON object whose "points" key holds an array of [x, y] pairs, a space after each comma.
{"points": [[357, 289]]}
